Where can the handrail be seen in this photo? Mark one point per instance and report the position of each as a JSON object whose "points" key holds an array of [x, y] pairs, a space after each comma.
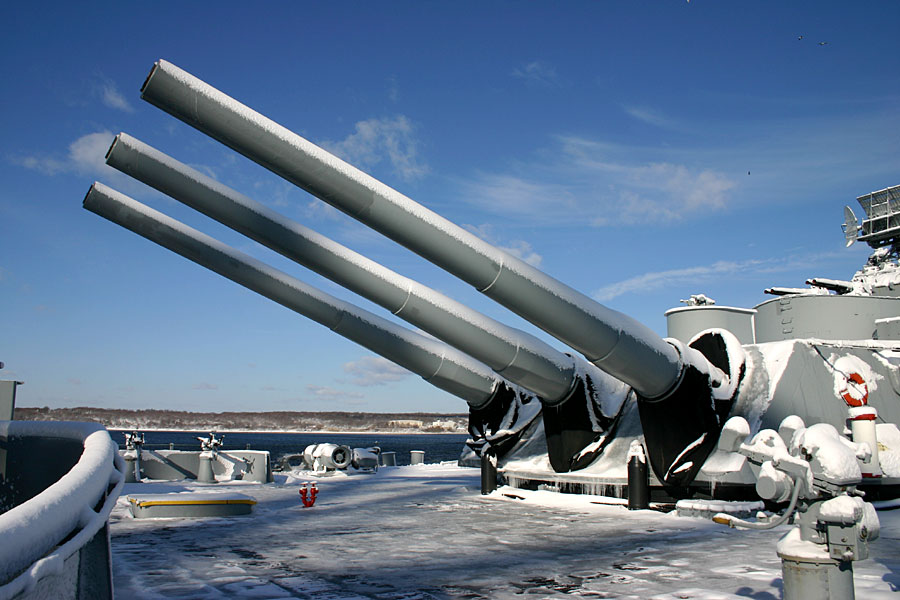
{"points": [[36, 528]]}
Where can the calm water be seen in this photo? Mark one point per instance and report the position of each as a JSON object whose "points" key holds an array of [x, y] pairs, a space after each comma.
{"points": [[437, 446]]}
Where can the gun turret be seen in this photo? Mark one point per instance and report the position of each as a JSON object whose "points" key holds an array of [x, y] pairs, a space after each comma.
{"points": [[676, 385]]}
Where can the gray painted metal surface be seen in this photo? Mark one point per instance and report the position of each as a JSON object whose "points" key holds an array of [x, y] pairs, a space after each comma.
{"points": [[518, 356], [824, 317], [817, 580], [811, 376], [887, 328], [436, 362], [611, 340], [8, 399], [685, 322]]}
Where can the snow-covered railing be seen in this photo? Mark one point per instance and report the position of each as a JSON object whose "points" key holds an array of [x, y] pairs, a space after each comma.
{"points": [[76, 506]]}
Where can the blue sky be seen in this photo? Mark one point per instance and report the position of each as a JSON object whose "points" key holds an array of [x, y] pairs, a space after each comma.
{"points": [[640, 152]]}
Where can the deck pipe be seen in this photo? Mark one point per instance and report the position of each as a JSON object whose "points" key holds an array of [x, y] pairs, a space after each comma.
{"points": [[674, 384], [514, 354]]}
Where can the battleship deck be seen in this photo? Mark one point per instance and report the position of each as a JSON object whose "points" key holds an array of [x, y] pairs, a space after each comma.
{"points": [[425, 532]]}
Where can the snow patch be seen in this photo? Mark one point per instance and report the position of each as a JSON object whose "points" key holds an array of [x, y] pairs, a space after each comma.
{"points": [[842, 509], [888, 436], [833, 456]]}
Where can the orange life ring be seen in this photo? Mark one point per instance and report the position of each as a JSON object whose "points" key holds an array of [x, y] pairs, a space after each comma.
{"points": [[849, 398]]}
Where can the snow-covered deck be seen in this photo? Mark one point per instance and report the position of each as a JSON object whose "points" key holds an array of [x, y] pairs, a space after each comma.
{"points": [[425, 532]]}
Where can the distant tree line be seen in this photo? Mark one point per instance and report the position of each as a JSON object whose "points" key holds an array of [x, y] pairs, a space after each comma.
{"points": [[116, 418]]}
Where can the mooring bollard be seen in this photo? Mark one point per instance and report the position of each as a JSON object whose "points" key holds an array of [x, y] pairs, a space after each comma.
{"points": [[417, 457], [638, 478], [488, 473], [388, 459]]}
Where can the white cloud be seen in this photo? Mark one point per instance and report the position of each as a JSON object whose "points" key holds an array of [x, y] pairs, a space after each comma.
{"points": [[204, 386], [602, 184], [86, 156], [576, 179], [539, 72], [319, 210], [518, 248], [46, 165], [660, 279], [517, 196], [656, 280], [650, 116], [278, 193], [375, 139], [321, 392], [655, 192], [112, 98], [393, 89], [665, 193], [523, 250], [374, 370]]}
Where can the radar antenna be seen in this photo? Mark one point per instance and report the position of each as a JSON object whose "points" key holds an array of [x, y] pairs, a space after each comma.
{"points": [[881, 227], [850, 226]]}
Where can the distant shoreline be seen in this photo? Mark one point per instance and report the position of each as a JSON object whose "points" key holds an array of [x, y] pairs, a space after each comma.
{"points": [[291, 422]]}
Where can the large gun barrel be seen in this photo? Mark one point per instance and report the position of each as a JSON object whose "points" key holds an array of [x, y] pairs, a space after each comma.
{"points": [[680, 394], [613, 341], [436, 362], [514, 354]]}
